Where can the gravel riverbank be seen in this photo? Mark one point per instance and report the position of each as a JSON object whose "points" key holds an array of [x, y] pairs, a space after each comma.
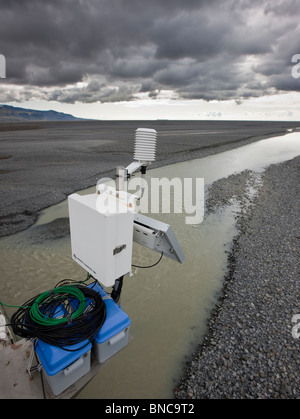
{"points": [[249, 351]]}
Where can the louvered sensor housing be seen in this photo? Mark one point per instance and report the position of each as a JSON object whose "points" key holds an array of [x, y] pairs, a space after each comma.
{"points": [[145, 145]]}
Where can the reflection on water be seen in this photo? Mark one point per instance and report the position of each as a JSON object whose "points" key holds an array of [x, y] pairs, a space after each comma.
{"points": [[168, 304]]}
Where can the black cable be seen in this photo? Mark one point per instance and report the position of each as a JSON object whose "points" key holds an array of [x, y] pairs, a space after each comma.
{"points": [[72, 281], [151, 266], [72, 331], [117, 288]]}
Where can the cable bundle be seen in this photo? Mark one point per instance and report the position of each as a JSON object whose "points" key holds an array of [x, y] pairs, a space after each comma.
{"points": [[63, 316]]}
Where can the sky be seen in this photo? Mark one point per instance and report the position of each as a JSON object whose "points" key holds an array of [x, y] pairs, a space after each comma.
{"points": [[153, 59]]}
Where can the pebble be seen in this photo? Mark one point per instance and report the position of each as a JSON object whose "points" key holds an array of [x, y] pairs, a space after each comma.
{"points": [[250, 352]]}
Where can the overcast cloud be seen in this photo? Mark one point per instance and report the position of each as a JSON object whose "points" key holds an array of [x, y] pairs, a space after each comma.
{"points": [[111, 50]]}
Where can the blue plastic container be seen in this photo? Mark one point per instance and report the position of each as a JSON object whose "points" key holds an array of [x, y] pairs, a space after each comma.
{"points": [[63, 368], [114, 334]]}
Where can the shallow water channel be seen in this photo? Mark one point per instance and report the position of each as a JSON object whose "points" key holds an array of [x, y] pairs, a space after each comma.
{"points": [[169, 304]]}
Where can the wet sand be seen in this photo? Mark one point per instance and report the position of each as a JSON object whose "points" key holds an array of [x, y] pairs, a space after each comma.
{"points": [[42, 163]]}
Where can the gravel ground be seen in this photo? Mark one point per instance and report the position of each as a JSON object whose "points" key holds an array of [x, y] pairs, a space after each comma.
{"points": [[42, 163], [249, 351]]}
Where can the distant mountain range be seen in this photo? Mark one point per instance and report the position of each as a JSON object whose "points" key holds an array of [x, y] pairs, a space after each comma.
{"points": [[13, 114]]}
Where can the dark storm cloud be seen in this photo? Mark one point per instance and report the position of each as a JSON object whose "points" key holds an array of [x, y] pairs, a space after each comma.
{"points": [[200, 49]]}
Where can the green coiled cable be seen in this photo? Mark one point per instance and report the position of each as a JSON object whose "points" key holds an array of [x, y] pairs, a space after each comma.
{"points": [[44, 319]]}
